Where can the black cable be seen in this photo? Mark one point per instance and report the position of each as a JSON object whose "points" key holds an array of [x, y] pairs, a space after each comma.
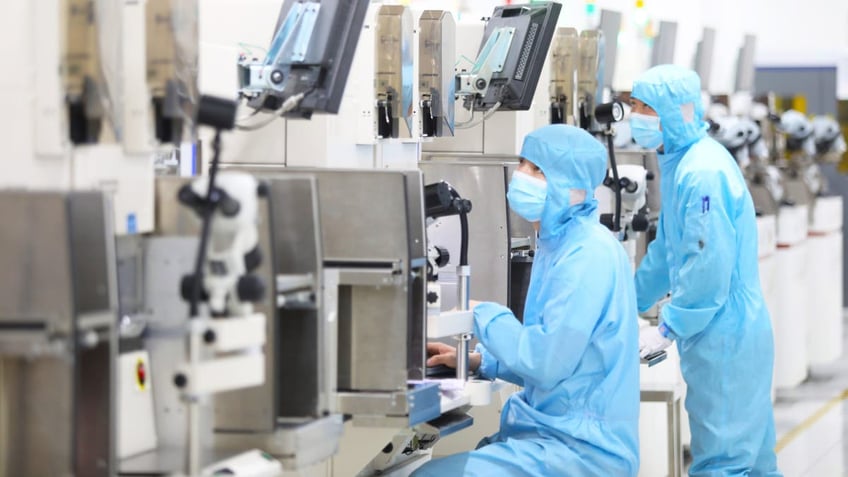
{"points": [[463, 227], [211, 202], [616, 227], [463, 247]]}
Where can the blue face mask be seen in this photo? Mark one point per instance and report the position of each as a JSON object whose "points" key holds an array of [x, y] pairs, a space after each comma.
{"points": [[646, 130], [527, 195]]}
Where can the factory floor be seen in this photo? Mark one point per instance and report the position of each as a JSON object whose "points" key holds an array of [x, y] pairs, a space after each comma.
{"points": [[812, 422]]}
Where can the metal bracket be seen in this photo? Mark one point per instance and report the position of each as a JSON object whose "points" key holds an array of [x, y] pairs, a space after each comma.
{"points": [[288, 46], [490, 60]]}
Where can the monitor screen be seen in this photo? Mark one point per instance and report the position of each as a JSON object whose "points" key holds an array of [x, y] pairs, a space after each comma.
{"points": [[515, 84], [313, 53]]}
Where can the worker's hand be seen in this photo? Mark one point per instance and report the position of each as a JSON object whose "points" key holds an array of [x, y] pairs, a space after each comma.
{"points": [[440, 353], [651, 341]]}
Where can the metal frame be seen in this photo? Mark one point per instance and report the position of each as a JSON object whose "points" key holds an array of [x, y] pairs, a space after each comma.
{"points": [[671, 396]]}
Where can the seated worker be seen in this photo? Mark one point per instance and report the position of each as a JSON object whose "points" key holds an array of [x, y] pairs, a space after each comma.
{"points": [[577, 353]]}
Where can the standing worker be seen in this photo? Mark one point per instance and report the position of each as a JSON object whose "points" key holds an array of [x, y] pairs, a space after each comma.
{"points": [[705, 254], [576, 352]]}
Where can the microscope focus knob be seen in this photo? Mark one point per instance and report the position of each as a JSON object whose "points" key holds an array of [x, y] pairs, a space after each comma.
{"points": [[640, 223], [187, 289], [608, 221], [251, 288], [442, 256], [432, 297], [628, 185]]}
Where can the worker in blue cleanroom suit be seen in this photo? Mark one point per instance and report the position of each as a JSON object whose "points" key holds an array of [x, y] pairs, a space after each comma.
{"points": [[705, 254], [577, 352]]}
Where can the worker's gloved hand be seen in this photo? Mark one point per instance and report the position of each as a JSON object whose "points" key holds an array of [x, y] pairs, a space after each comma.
{"points": [[652, 340]]}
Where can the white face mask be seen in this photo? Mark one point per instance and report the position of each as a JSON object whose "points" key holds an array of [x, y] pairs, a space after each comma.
{"points": [[646, 131], [526, 196]]}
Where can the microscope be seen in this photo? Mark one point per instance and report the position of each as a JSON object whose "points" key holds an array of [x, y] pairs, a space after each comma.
{"points": [[732, 133], [830, 144], [629, 183], [801, 152], [224, 344], [442, 200], [228, 286]]}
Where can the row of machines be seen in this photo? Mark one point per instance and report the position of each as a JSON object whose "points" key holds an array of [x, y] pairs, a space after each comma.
{"points": [[470, 128], [782, 156], [271, 316], [255, 320]]}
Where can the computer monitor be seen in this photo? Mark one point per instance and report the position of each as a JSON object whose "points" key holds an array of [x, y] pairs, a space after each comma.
{"points": [[532, 26], [311, 53]]}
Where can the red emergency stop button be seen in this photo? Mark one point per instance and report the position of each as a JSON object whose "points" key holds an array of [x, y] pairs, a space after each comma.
{"points": [[141, 375]]}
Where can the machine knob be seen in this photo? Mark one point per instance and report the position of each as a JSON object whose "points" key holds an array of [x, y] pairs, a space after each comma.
{"points": [[253, 259], [443, 256], [187, 287], [640, 223], [432, 297], [628, 185], [649, 176], [180, 380], [607, 220], [251, 288]]}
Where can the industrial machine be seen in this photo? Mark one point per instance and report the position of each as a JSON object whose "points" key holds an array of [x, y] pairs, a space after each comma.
{"points": [[58, 340], [284, 332], [500, 66], [89, 110], [309, 59], [93, 112], [436, 83], [825, 253], [375, 120]]}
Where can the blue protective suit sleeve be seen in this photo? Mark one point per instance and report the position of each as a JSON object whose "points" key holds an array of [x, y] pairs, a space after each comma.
{"points": [[709, 254], [652, 275], [490, 368], [546, 353]]}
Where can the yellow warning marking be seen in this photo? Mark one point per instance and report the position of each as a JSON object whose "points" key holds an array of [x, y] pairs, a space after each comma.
{"points": [[808, 423]]}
